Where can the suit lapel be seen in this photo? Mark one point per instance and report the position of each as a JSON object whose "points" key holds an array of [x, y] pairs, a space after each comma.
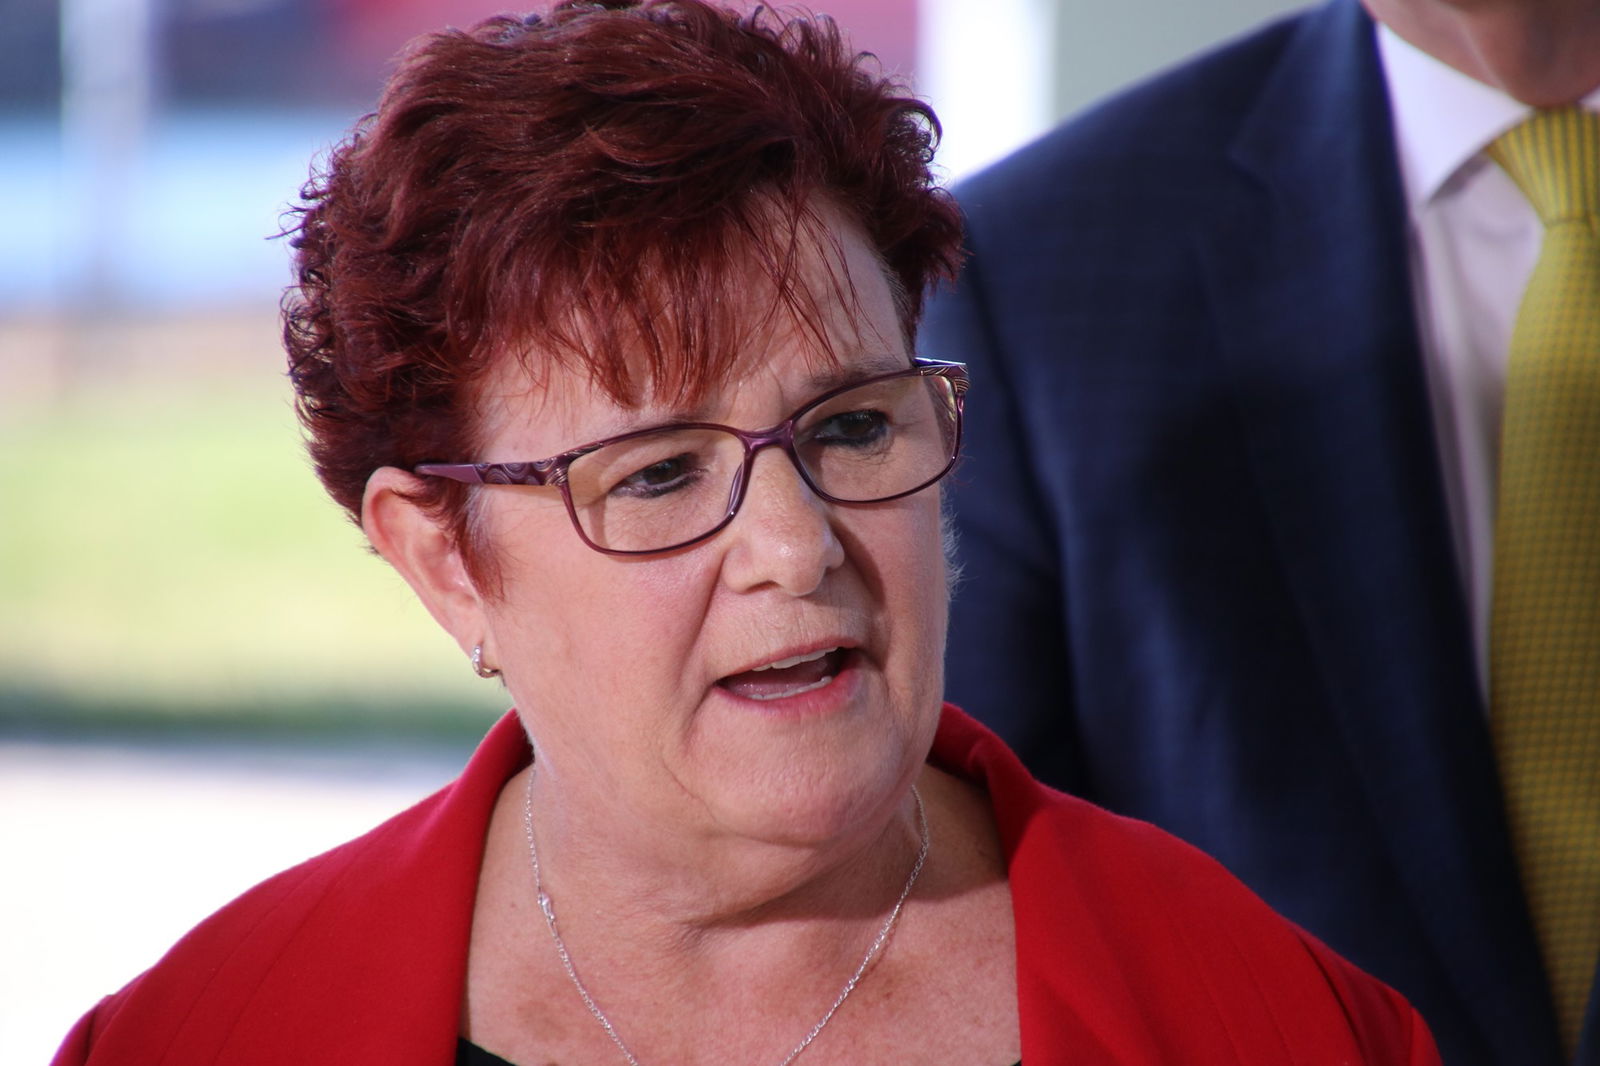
{"points": [[1318, 328]]}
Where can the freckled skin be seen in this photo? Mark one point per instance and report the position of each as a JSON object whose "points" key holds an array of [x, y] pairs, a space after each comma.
{"points": [[720, 864], [614, 661]]}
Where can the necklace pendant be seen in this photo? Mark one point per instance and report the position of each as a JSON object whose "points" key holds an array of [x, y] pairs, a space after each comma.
{"points": [[546, 906]]}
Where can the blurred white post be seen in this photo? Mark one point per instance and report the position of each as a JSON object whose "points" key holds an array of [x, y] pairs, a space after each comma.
{"points": [[1002, 72], [988, 70], [107, 86]]}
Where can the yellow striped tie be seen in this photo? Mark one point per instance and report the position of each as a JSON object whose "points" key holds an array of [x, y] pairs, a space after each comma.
{"points": [[1544, 665]]}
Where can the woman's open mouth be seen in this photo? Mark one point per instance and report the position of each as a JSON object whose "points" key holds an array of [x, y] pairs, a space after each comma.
{"points": [[786, 678]]}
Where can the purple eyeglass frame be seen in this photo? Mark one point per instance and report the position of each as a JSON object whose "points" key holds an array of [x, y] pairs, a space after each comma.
{"points": [[553, 471]]}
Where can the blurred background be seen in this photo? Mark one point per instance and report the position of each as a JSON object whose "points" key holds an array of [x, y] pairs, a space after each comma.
{"points": [[204, 676]]}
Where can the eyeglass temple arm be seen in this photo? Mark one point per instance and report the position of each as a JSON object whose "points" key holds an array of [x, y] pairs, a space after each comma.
{"points": [[492, 473]]}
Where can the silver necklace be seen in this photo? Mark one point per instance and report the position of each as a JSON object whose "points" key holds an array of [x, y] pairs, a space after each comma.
{"points": [[600, 1016]]}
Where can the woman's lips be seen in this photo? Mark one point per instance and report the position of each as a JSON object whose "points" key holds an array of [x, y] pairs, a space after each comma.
{"points": [[789, 677]]}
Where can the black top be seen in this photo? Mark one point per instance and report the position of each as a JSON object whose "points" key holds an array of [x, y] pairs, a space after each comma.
{"points": [[470, 1054]]}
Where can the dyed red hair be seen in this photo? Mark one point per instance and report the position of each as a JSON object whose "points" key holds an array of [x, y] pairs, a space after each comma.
{"points": [[584, 185]]}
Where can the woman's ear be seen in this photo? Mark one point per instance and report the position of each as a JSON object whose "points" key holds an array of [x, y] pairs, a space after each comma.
{"points": [[424, 553]]}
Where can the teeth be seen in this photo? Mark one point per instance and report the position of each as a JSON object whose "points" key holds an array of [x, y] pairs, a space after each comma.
{"points": [[791, 692], [796, 660]]}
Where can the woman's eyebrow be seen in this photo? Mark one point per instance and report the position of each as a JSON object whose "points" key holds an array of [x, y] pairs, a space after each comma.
{"points": [[841, 374], [826, 379]]}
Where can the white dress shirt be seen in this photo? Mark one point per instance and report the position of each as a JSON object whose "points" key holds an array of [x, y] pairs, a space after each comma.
{"points": [[1474, 240]]}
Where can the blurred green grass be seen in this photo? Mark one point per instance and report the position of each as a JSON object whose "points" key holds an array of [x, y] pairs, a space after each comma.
{"points": [[167, 556]]}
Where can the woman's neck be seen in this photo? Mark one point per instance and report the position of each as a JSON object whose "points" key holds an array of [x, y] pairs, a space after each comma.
{"points": [[686, 889], [721, 977]]}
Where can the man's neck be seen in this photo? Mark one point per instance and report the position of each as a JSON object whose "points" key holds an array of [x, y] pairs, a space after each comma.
{"points": [[1543, 54]]}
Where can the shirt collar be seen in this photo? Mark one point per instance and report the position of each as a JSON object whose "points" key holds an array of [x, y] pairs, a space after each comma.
{"points": [[1443, 118]]}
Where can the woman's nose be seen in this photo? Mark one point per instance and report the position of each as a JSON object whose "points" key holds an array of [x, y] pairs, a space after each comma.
{"points": [[783, 535]]}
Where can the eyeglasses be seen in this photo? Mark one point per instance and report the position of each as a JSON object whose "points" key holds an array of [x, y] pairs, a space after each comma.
{"points": [[656, 490]]}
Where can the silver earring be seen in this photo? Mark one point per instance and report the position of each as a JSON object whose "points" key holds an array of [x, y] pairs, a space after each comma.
{"points": [[477, 663]]}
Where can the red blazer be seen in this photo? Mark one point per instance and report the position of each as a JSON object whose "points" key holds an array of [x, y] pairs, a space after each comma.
{"points": [[1132, 947]]}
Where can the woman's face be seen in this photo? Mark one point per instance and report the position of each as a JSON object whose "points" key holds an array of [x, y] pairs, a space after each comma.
{"points": [[640, 678]]}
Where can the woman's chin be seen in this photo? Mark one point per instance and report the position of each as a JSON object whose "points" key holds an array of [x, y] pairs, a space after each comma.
{"points": [[813, 797], [819, 816]]}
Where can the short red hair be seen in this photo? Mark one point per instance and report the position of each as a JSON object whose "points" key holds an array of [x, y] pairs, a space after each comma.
{"points": [[582, 184]]}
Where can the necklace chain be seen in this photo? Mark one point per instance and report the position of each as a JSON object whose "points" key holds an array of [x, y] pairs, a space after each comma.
{"points": [[882, 938]]}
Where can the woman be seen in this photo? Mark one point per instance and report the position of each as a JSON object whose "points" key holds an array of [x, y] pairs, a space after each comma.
{"points": [[603, 333]]}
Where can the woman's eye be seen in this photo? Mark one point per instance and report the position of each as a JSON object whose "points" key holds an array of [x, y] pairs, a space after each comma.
{"points": [[659, 478], [852, 428]]}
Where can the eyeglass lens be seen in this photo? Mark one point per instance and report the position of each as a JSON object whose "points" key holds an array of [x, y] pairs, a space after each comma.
{"points": [[880, 440]]}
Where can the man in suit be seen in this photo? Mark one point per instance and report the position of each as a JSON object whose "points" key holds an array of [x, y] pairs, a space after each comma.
{"points": [[1227, 496]]}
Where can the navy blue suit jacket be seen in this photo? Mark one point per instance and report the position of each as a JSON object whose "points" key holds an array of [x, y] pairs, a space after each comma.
{"points": [[1209, 578]]}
